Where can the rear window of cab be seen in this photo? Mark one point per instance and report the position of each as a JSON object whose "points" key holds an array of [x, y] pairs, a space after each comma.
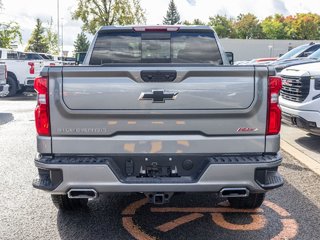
{"points": [[156, 47]]}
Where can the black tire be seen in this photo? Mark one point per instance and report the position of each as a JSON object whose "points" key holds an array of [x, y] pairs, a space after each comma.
{"points": [[62, 202], [21, 90], [252, 202], [13, 88]]}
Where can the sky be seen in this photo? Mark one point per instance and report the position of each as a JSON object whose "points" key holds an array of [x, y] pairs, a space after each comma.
{"points": [[26, 11]]}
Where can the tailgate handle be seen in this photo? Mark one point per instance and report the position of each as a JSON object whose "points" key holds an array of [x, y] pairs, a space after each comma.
{"points": [[158, 76]]}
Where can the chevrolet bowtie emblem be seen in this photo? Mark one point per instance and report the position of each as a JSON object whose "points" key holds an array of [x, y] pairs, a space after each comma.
{"points": [[158, 96]]}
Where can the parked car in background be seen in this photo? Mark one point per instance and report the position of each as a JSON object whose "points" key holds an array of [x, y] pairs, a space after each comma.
{"points": [[4, 87], [314, 57], [300, 96], [256, 61], [158, 110], [21, 72], [80, 56], [46, 59], [301, 51], [298, 55]]}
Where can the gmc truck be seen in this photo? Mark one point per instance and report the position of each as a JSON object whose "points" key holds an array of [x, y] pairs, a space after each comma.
{"points": [[20, 72], [300, 97], [157, 110]]}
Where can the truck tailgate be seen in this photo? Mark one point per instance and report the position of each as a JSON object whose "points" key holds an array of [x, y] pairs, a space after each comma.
{"points": [[112, 110], [118, 88]]}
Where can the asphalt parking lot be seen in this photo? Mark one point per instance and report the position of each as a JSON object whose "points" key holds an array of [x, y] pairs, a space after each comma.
{"points": [[291, 212]]}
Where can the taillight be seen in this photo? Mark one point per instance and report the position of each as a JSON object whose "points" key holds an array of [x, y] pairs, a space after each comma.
{"points": [[274, 110], [31, 70], [42, 117]]}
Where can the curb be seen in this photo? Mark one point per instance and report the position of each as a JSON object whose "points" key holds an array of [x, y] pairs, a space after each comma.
{"points": [[312, 164]]}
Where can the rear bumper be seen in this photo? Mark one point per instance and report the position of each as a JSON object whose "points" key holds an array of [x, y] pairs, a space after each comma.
{"points": [[307, 120], [60, 174]]}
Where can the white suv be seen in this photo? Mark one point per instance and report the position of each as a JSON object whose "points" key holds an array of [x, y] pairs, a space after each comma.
{"points": [[300, 96]]}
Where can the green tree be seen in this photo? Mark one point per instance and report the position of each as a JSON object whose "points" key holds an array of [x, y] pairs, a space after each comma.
{"points": [[305, 26], [97, 13], [81, 44], [247, 26], [223, 26], [173, 16], [52, 38], [194, 22], [38, 41], [274, 27], [9, 33]]}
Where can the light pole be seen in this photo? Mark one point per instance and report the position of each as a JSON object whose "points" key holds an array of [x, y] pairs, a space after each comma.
{"points": [[58, 24], [62, 37]]}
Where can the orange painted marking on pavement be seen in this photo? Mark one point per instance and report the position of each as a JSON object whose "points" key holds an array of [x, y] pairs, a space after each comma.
{"points": [[112, 123], [129, 147], [132, 208], [289, 231], [134, 230], [179, 221], [281, 211], [184, 143], [205, 210], [258, 222], [156, 147]]}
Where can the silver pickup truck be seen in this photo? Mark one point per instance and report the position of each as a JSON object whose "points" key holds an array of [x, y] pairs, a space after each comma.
{"points": [[157, 110]]}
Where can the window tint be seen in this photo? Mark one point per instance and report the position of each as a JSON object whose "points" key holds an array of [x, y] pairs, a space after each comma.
{"points": [[177, 47], [32, 56], [315, 55], [12, 55], [309, 51], [293, 52], [195, 48]]}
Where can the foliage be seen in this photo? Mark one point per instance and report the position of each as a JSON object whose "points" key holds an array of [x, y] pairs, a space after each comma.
{"points": [[38, 41], [247, 26], [9, 33], [194, 22], [304, 26], [173, 16], [81, 44], [52, 38], [97, 13], [274, 27], [223, 26]]}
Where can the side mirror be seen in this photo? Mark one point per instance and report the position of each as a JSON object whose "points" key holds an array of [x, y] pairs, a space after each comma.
{"points": [[230, 57]]}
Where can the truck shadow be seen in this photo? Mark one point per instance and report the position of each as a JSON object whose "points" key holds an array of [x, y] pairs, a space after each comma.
{"points": [[27, 96], [310, 142], [5, 118], [104, 218]]}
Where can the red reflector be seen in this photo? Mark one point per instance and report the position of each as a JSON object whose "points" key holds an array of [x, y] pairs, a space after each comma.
{"points": [[42, 120], [41, 113], [274, 110], [31, 70]]}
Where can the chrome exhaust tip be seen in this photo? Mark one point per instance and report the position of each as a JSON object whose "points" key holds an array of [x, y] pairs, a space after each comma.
{"points": [[234, 192], [82, 193]]}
